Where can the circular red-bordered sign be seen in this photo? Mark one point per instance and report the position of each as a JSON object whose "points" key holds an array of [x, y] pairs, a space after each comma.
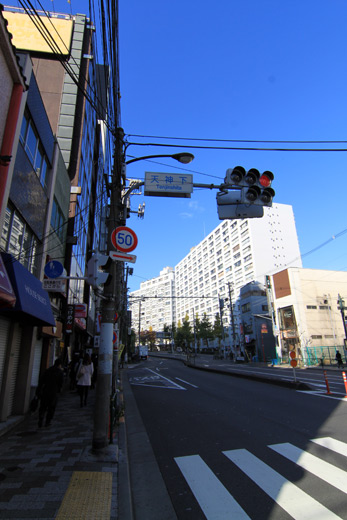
{"points": [[124, 239]]}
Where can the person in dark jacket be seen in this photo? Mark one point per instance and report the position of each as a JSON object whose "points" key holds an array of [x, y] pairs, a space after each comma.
{"points": [[48, 389], [338, 358]]}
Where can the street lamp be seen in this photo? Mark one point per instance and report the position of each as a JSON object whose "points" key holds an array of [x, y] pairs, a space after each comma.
{"points": [[182, 157]]}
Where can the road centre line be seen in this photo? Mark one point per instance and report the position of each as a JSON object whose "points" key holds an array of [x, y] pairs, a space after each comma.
{"points": [[166, 378], [186, 382]]}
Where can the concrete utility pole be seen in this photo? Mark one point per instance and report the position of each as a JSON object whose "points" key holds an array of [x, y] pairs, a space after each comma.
{"points": [[110, 305], [232, 318], [341, 303]]}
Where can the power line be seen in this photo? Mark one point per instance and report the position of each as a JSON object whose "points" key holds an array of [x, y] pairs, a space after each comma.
{"points": [[235, 140], [242, 148]]}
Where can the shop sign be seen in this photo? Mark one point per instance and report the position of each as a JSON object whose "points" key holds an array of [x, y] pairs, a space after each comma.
{"points": [[81, 310], [69, 319]]}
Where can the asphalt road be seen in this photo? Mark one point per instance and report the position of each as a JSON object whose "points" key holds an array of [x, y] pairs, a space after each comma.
{"points": [[235, 448]]}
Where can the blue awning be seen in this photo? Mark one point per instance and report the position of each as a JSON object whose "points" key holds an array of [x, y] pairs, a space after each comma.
{"points": [[32, 302]]}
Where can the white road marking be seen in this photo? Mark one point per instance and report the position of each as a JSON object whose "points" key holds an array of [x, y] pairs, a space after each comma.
{"points": [[166, 378], [213, 498], [332, 444], [186, 382], [319, 393], [291, 498], [323, 470]]}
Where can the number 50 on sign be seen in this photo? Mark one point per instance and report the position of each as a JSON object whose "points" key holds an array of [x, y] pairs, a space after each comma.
{"points": [[124, 239]]}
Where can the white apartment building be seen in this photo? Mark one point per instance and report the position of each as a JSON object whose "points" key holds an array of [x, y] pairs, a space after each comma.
{"points": [[153, 305], [233, 254]]}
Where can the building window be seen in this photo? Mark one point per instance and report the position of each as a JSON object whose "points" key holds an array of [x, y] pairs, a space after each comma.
{"points": [[34, 149], [311, 306], [58, 221], [245, 308], [19, 240]]}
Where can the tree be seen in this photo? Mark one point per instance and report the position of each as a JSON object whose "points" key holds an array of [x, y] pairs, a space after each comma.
{"points": [[184, 335], [148, 337], [204, 329], [217, 328]]}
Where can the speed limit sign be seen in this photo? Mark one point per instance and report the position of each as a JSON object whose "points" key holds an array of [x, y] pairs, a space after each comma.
{"points": [[124, 239]]}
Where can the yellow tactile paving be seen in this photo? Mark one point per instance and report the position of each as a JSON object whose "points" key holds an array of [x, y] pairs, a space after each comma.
{"points": [[88, 497]]}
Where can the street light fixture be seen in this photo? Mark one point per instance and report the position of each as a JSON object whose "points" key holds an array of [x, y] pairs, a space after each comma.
{"points": [[183, 157]]}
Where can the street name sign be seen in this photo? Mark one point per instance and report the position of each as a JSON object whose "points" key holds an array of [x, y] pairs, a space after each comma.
{"points": [[168, 184]]}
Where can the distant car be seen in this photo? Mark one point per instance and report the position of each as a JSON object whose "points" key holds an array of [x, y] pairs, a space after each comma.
{"points": [[178, 349]]}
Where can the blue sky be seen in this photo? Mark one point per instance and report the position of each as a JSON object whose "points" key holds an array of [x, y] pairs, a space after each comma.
{"points": [[250, 70]]}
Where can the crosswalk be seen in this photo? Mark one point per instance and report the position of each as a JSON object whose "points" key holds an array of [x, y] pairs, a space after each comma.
{"points": [[218, 503]]}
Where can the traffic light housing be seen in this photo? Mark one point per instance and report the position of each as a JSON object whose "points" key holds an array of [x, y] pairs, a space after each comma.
{"points": [[230, 206], [255, 187], [95, 276], [246, 193]]}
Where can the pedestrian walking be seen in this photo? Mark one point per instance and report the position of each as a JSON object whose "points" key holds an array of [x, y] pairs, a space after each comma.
{"points": [[338, 358], [84, 378], [49, 387]]}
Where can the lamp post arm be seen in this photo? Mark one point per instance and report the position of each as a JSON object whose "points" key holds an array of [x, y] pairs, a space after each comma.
{"points": [[146, 157]]}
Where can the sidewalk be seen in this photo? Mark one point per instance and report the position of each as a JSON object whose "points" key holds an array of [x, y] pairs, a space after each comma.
{"points": [[38, 465]]}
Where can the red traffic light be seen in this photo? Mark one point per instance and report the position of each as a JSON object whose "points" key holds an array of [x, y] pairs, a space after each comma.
{"points": [[266, 179]]}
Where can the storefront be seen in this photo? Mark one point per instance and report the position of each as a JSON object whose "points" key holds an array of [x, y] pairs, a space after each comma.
{"points": [[24, 308]]}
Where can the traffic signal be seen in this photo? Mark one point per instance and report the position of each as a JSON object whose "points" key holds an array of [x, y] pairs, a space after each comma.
{"points": [[255, 187], [95, 276]]}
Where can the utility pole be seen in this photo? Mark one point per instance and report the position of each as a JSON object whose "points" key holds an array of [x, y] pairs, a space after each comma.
{"points": [[341, 303], [221, 306], [232, 319], [110, 305]]}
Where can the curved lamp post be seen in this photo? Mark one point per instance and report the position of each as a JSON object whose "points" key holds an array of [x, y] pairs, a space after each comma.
{"points": [[183, 157]]}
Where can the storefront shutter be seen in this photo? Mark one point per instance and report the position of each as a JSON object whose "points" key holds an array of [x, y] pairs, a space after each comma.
{"points": [[4, 332], [36, 365], [15, 351]]}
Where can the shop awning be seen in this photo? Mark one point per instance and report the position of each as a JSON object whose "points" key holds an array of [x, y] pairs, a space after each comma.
{"points": [[32, 302], [7, 295]]}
